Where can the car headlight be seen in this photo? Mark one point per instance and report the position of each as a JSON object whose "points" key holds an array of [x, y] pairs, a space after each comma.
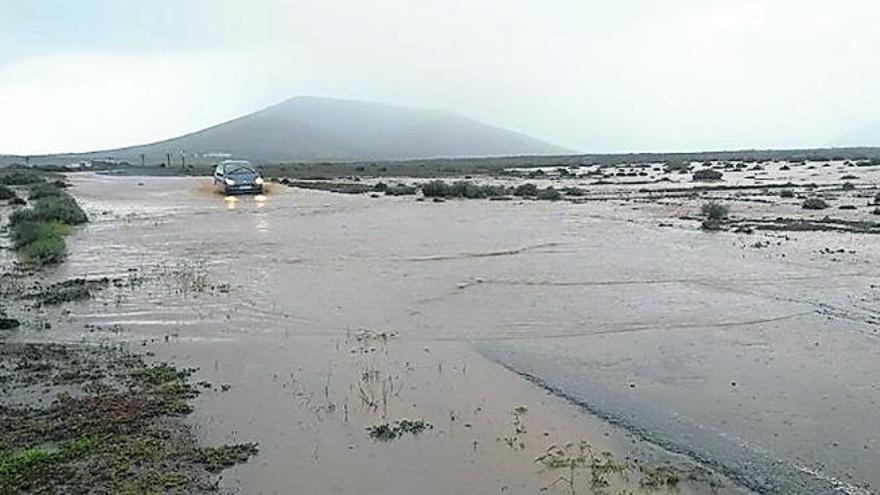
{"points": [[258, 181], [230, 182]]}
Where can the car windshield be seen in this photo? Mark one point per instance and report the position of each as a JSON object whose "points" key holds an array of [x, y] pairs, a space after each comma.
{"points": [[239, 168]]}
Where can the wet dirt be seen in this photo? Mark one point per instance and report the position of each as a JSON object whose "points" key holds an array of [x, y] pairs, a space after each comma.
{"points": [[660, 343]]}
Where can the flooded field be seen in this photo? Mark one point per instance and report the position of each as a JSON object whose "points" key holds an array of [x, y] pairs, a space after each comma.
{"points": [[388, 345]]}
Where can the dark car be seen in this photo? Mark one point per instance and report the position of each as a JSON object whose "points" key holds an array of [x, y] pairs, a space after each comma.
{"points": [[238, 177]]}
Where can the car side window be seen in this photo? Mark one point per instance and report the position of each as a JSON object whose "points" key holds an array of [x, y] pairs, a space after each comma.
{"points": [[218, 170]]}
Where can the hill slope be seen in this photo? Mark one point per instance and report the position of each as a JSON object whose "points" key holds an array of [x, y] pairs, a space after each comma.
{"points": [[323, 129]]}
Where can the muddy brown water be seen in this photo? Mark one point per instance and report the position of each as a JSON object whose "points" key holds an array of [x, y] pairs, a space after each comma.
{"points": [[664, 344]]}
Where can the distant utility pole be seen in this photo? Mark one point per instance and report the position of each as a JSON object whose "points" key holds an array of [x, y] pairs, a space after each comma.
{"points": [[168, 158], [27, 161], [143, 160], [182, 159]]}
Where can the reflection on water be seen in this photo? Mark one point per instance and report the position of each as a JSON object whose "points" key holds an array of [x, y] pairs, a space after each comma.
{"points": [[259, 200], [262, 218]]}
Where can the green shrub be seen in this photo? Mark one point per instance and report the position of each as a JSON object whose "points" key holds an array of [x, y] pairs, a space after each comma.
{"points": [[45, 251], [60, 208], [40, 243], [28, 232], [38, 232], [44, 189]]}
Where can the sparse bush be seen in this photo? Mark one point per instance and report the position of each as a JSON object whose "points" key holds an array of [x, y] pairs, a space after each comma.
{"points": [[786, 193], [461, 189], [435, 189], [400, 190], [574, 191], [44, 189], [876, 211], [6, 193], [848, 186], [714, 210], [707, 174], [549, 194], [527, 189], [677, 166], [20, 179], [814, 204], [715, 213], [465, 189]]}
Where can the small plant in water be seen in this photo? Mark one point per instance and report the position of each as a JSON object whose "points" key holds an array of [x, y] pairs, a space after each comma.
{"points": [[573, 459], [389, 431]]}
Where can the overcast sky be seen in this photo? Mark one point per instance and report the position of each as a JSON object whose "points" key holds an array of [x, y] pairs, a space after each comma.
{"points": [[627, 75]]}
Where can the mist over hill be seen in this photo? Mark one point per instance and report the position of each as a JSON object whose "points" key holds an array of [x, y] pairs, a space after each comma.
{"points": [[324, 129]]}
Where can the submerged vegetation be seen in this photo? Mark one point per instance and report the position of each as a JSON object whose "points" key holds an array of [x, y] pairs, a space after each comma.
{"points": [[216, 459], [390, 431], [578, 464]]}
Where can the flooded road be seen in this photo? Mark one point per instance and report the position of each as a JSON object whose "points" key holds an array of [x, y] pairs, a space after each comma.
{"points": [[509, 326]]}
